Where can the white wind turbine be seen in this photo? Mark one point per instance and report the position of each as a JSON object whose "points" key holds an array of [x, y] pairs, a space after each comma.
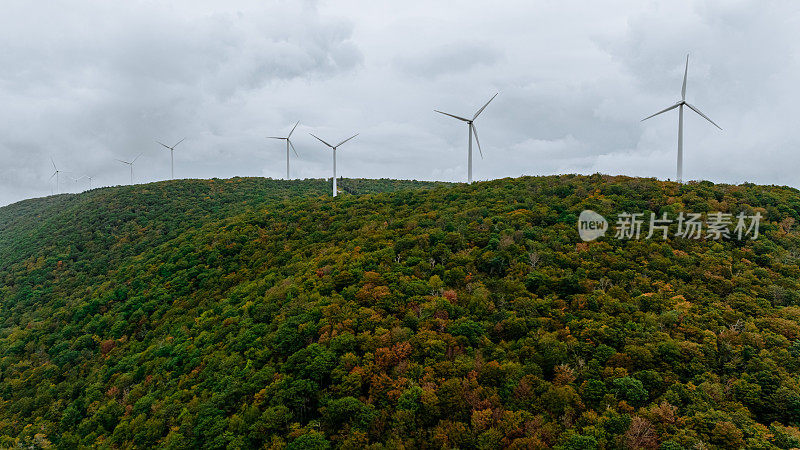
{"points": [[288, 143], [76, 182], [334, 147], [55, 174], [130, 163], [680, 105], [471, 131], [171, 157], [88, 178]]}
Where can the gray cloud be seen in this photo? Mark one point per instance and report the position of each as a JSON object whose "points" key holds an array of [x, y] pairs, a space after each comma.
{"points": [[453, 58], [104, 80], [92, 81]]}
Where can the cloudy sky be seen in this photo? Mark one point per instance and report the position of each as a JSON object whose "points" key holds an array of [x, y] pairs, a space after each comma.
{"points": [[86, 82]]}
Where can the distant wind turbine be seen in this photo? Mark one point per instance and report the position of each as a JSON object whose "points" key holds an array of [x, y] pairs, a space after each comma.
{"points": [[680, 105], [76, 181], [471, 131], [171, 156], [288, 143], [88, 178], [130, 163], [56, 174], [334, 147]]}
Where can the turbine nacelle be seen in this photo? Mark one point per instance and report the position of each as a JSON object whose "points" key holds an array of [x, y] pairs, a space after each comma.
{"points": [[171, 155], [168, 147], [130, 164], [333, 147], [56, 173], [680, 104], [288, 140], [288, 145], [472, 131]]}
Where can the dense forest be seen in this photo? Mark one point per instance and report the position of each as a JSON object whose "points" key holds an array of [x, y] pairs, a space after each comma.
{"points": [[250, 313]]}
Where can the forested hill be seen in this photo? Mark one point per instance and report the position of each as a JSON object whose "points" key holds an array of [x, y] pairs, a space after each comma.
{"points": [[129, 219], [251, 313]]}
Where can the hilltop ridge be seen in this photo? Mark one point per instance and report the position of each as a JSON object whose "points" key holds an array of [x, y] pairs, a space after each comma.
{"points": [[172, 205]]}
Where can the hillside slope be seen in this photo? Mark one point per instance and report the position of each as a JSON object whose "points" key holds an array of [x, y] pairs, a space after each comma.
{"points": [[214, 314], [132, 218]]}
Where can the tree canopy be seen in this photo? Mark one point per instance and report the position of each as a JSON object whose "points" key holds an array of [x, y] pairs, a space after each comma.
{"points": [[258, 313]]}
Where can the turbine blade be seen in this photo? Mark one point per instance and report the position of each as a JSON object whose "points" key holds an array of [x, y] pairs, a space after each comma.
{"points": [[704, 116], [275, 137], [477, 141], [123, 162], [173, 147], [295, 126], [351, 137], [292, 145], [663, 111], [446, 114], [137, 157], [54, 164], [329, 145], [51, 176], [165, 145], [685, 74], [484, 107]]}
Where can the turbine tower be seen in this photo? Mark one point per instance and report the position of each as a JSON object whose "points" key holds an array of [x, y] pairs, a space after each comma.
{"points": [[55, 174], [76, 182], [130, 163], [334, 147], [171, 156], [471, 131], [288, 143], [88, 178], [680, 105]]}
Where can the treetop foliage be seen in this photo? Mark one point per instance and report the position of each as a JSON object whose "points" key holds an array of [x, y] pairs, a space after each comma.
{"points": [[250, 313]]}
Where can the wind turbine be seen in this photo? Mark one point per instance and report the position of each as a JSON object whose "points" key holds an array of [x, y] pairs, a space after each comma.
{"points": [[680, 105], [171, 156], [56, 173], [88, 178], [76, 182], [130, 163], [471, 130], [334, 147], [288, 143]]}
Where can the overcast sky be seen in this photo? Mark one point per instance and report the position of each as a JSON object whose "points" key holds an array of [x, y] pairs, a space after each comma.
{"points": [[85, 82]]}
